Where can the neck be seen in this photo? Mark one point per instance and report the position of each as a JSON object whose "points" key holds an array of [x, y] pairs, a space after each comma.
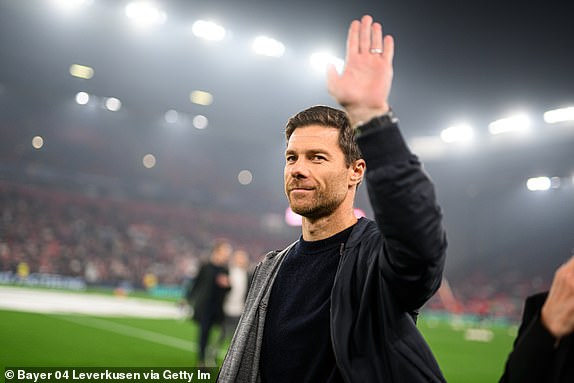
{"points": [[325, 227]]}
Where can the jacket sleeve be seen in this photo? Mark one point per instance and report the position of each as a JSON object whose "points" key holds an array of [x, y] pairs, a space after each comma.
{"points": [[533, 350], [195, 285], [406, 211]]}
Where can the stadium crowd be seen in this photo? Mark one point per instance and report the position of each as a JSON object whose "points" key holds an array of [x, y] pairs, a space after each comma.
{"points": [[110, 242]]}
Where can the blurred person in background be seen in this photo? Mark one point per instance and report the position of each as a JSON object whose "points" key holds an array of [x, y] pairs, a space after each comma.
{"points": [[340, 304], [544, 347], [239, 278], [207, 292]]}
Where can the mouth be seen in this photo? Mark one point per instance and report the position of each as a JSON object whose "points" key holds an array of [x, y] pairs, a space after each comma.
{"points": [[300, 189]]}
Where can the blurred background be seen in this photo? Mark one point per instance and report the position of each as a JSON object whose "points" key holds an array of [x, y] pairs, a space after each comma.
{"points": [[134, 134]]}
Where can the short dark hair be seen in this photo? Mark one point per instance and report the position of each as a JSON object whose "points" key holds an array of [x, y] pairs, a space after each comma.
{"points": [[332, 118], [218, 244]]}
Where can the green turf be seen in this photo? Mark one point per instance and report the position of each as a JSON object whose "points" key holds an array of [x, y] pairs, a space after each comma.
{"points": [[464, 361], [31, 339]]}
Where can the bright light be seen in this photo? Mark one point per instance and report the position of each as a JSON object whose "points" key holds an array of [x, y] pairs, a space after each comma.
{"points": [[208, 30], [81, 71], [82, 98], [171, 116], [201, 97], [538, 183], [320, 61], [200, 122], [519, 123], [559, 115], [245, 177], [555, 182], [113, 104], [267, 46], [461, 133], [37, 142], [149, 161], [145, 13]]}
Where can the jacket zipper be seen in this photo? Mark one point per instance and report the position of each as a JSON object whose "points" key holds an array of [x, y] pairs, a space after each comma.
{"points": [[341, 255]]}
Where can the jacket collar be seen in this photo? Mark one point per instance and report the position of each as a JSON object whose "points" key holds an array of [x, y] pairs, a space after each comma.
{"points": [[358, 231]]}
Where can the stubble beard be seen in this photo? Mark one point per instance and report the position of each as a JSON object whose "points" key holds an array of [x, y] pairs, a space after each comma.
{"points": [[321, 205]]}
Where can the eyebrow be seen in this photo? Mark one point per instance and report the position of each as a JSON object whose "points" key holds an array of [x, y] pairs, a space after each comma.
{"points": [[309, 151]]}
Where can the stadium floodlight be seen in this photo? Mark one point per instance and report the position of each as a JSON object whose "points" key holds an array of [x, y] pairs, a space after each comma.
{"points": [[200, 122], [245, 177], [82, 98], [171, 116], [149, 161], [320, 61], [459, 133], [201, 97], [539, 183], [145, 13], [555, 182], [113, 104], [208, 30], [81, 71], [37, 142], [514, 124], [559, 115], [267, 46]]}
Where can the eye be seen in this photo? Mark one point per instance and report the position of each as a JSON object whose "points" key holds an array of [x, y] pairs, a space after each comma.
{"points": [[290, 158], [319, 157]]}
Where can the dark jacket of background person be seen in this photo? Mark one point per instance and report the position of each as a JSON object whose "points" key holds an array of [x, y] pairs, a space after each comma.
{"points": [[206, 296], [387, 271], [535, 356]]}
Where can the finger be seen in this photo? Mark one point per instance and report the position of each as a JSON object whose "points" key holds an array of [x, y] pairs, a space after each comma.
{"points": [[388, 48], [353, 38], [365, 34], [332, 77], [377, 36], [570, 263]]}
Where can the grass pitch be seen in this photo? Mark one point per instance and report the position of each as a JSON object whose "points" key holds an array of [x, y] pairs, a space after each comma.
{"points": [[69, 340]]}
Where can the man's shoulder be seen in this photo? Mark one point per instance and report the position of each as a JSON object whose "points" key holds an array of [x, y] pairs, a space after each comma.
{"points": [[271, 259], [363, 230]]}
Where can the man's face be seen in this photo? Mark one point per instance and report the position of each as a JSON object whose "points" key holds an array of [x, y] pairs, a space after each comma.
{"points": [[222, 254], [316, 176]]}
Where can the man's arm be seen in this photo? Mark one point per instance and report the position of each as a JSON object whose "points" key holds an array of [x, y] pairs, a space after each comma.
{"points": [[404, 203], [533, 348], [547, 318], [401, 194], [558, 310]]}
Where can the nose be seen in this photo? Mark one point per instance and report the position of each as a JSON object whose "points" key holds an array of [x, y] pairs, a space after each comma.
{"points": [[298, 169]]}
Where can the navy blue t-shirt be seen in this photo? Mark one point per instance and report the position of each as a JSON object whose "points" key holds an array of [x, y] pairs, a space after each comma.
{"points": [[297, 343]]}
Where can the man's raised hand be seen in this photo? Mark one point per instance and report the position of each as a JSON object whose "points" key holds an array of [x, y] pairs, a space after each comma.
{"points": [[364, 86]]}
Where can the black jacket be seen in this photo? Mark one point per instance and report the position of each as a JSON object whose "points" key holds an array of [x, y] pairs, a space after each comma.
{"points": [[387, 271], [206, 296], [535, 356]]}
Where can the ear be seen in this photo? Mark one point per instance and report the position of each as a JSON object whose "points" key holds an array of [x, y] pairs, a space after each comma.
{"points": [[356, 172]]}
